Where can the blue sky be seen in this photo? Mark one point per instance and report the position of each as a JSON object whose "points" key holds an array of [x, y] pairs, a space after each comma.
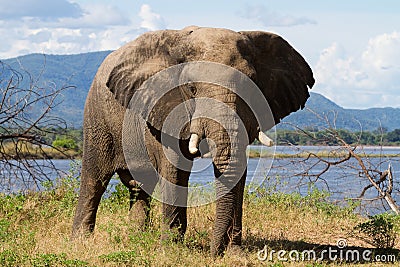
{"points": [[352, 46]]}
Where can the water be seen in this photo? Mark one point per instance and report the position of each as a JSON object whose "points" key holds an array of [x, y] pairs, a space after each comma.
{"points": [[343, 181], [292, 150], [45, 169], [294, 174]]}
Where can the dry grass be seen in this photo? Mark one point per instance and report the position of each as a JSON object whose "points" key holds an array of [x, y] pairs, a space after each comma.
{"points": [[35, 231], [257, 153], [29, 151]]}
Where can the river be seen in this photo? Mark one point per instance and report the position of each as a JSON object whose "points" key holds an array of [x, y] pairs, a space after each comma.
{"points": [[294, 174]]}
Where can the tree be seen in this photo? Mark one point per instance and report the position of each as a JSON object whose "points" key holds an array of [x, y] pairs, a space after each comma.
{"points": [[348, 156], [393, 136], [66, 143], [25, 120]]}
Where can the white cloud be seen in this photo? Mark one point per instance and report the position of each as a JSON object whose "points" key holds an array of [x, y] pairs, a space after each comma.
{"points": [[150, 20], [369, 79], [95, 27], [96, 16], [268, 18], [40, 36]]}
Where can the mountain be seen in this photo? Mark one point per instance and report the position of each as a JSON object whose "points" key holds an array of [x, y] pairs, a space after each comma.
{"points": [[350, 119], [78, 71]]}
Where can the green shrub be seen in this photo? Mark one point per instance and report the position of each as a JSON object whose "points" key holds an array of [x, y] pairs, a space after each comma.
{"points": [[66, 143], [315, 199], [10, 258], [47, 260], [4, 225], [120, 195], [380, 230]]}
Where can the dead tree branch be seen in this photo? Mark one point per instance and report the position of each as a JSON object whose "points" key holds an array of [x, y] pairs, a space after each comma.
{"points": [[348, 157], [25, 120]]}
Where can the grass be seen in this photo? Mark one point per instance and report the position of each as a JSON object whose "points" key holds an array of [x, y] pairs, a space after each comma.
{"points": [[35, 230], [29, 151]]}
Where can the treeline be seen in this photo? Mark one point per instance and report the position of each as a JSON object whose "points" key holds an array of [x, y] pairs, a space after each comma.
{"points": [[380, 137], [57, 137], [72, 138]]}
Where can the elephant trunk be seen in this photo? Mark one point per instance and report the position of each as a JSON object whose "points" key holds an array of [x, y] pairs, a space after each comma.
{"points": [[229, 190], [230, 172], [227, 143], [217, 121]]}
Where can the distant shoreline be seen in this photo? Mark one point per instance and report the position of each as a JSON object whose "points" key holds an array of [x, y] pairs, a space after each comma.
{"points": [[252, 151]]}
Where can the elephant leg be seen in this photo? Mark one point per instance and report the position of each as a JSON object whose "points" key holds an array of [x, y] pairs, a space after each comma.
{"points": [[236, 233], [139, 199], [94, 181], [174, 202], [228, 221]]}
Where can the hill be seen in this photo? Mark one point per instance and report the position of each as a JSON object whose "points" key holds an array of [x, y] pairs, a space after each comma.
{"points": [[349, 119], [63, 70], [79, 70]]}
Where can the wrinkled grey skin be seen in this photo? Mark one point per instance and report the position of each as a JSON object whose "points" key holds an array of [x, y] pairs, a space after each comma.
{"points": [[279, 71]]}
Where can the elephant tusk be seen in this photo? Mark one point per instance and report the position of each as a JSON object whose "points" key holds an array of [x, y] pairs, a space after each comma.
{"points": [[264, 139], [193, 143]]}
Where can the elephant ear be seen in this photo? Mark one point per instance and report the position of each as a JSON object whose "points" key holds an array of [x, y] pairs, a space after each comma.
{"points": [[282, 73], [127, 76], [137, 62]]}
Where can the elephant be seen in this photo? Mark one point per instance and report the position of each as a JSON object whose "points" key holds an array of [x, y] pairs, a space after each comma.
{"points": [[125, 119]]}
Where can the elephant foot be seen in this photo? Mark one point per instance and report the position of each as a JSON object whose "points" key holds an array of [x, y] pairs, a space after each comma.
{"points": [[83, 225], [221, 246], [139, 214], [231, 251], [81, 233], [173, 235], [235, 251], [174, 223]]}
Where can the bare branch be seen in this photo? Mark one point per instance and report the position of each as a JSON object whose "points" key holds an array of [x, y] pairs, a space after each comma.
{"points": [[25, 122], [350, 158]]}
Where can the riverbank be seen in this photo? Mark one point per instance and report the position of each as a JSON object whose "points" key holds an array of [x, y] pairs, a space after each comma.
{"points": [[256, 153], [28, 151], [253, 151], [35, 230]]}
